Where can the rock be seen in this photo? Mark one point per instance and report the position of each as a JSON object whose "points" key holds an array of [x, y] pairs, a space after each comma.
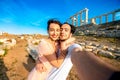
{"points": [[2, 52], [90, 47], [106, 54], [33, 52]]}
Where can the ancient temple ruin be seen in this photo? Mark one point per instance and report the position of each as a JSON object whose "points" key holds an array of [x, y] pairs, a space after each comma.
{"points": [[107, 25]]}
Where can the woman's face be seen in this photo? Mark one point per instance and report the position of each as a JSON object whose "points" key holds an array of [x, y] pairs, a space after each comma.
{"points": [[54, 31]]}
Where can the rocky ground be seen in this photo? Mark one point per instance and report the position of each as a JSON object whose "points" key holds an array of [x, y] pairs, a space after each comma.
{"points": [[16, 64]]}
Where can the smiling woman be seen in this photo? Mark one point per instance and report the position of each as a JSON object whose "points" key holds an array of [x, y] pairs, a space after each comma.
{"points": [[47, 52]]}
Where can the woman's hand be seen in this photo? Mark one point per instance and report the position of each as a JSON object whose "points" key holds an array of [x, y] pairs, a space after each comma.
{"points": [[40, 66], [65, 44]]}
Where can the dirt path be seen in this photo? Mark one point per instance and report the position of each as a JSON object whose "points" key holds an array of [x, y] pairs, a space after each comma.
{"points": [[17, 62]]}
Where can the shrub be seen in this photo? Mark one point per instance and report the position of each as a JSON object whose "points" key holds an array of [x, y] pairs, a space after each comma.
{"points": [[1, 43], [6, 51]]}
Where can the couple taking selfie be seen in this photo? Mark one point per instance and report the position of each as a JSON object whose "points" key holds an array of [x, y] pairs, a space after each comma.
{"points": [[54, 61], [59, 52]]}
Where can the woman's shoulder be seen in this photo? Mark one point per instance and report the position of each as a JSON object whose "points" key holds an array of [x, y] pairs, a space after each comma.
{"points": [[44, 41]]}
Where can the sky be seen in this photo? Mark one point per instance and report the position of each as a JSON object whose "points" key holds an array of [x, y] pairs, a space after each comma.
{"points": [[31, 16]]}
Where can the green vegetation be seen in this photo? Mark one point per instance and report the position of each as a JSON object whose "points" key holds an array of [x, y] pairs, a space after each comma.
{"points": [[6, 51], [1, 43], [36, 43]]}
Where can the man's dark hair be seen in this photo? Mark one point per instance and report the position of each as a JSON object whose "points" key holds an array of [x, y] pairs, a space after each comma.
{"points": [[72, 27], [53, 21]]}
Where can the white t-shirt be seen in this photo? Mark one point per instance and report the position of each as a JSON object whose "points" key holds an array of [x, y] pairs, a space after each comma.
{"points": [[62, 72]]}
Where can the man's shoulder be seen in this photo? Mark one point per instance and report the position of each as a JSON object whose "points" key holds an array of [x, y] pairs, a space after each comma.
{"points": [[75, 45]]}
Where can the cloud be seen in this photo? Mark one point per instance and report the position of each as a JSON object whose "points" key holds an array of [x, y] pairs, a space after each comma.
{"points": [[6, 20], [35, 23]]}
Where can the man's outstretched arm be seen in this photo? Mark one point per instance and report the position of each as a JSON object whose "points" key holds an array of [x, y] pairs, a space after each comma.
{"points": [[90, 67]]}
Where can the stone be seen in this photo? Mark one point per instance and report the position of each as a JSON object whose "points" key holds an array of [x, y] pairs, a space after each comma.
{"points": [[2, 52]]}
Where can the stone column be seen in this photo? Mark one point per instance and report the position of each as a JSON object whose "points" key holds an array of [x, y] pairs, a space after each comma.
{"points": [[100, 19], [106, 16], [72, 20], [86, 15], [80, 18], [76, 16], [113, 16]]}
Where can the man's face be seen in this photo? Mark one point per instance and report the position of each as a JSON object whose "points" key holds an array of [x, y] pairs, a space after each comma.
{"points": [[54, 31], [65, 32]]}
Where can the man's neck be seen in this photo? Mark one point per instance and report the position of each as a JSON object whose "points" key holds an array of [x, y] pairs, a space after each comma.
{"points": [[62, 40]]}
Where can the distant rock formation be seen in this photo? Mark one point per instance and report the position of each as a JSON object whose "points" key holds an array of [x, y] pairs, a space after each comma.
{"points": [[110, 29]]}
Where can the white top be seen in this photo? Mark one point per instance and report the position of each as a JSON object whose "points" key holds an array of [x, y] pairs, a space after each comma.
{"points": [[62, 72]]}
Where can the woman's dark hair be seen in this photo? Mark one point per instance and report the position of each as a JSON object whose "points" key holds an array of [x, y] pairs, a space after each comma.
{"points": [[72, 27], [53, 21]]}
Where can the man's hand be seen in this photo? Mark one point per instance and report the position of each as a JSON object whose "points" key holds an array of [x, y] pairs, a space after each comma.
{"points": [[40, 66]]}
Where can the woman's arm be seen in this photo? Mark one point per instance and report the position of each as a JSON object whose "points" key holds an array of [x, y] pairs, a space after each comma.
{"points": [[40, 66], [42, 63], [65, 44], [62, 51], [53, 58]]}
